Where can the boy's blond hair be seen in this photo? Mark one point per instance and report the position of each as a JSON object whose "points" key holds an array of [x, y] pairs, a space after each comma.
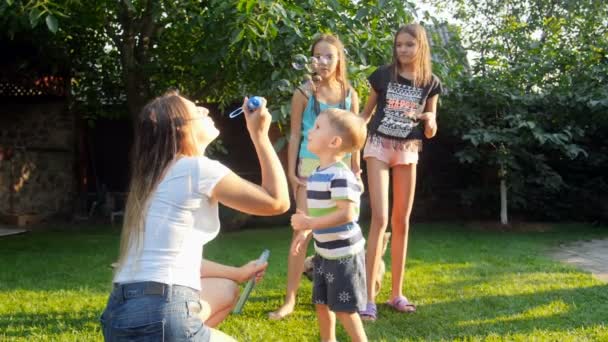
{"points": [[350, 127]]}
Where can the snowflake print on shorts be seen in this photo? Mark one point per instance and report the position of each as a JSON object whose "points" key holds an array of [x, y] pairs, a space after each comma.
{"points": [[343, 261], [344, 297], [329, 277], [319, 301]]}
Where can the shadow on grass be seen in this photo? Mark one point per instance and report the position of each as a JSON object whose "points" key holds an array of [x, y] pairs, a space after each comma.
{"points": [[552, 311]]}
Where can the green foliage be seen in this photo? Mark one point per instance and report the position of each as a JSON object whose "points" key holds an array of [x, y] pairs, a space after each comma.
{"points": [[531, 107], [22, 15], [238, 48], [536, 98], [514, 137], [214, 51]]}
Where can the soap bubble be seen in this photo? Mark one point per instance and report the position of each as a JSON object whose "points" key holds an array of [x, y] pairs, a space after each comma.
{"points": [[299, 62], [283, 85]]}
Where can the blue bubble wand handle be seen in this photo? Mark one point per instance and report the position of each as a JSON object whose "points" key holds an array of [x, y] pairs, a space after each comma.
{"points": [[250, 284], [252, 104]]}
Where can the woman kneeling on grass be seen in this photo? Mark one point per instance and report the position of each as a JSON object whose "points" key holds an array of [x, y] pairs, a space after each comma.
{"points": [[172, 211], [220, 289]]}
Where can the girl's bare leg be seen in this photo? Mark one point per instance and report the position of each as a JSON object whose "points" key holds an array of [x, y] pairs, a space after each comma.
{"points": [[295, 267], [404, 188], [378, 182]]}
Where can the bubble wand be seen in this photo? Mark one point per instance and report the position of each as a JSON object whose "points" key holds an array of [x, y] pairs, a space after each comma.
{"points": [[250, 284], [252, 104]]}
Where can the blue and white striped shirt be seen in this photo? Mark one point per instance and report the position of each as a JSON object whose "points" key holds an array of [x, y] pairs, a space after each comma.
{"points": [[324, 188]]}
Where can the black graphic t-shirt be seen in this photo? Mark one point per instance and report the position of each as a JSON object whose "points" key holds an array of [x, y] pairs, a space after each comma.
{"points": [[398, 103]]}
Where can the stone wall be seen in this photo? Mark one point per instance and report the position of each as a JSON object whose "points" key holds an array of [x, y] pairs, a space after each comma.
{"points": [[41, 170]]}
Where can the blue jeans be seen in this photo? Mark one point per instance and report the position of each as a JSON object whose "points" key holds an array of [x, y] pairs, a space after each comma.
{"points": [[150, 311]]}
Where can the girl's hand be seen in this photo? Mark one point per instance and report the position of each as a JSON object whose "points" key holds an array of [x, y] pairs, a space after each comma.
{"points": [[300, 221], [258, 121], [295, 183], [299, 242], [427, 117], [251, 269], [360, 180], [430, 123]]}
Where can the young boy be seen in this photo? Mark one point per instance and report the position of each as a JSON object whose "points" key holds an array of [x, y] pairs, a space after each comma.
{"points": [[333, 195]]}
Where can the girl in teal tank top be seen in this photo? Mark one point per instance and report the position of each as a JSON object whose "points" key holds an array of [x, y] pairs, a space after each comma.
{"points": [[308, 161], [331, 90], [313, 108]]}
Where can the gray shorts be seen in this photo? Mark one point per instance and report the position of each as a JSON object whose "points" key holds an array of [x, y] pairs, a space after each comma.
{"points": [[340, 283]]}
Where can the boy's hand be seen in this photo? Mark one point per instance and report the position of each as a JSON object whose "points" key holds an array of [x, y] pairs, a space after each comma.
{"points": [[298, 242], [300, 221]]}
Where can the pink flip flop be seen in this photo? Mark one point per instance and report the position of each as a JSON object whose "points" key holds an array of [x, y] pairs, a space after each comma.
{"points": [[401, 304]]}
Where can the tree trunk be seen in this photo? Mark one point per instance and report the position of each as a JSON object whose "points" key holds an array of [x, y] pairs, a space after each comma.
{"points": [[138, 33], [504, 220], [137, 89]]}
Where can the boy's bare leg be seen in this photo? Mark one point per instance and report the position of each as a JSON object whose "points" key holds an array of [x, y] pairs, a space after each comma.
{"points": [[327, 323], [353, 325]]}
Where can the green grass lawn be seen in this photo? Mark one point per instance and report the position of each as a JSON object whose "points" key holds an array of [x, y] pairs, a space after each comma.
{"points": [[468, 285]]}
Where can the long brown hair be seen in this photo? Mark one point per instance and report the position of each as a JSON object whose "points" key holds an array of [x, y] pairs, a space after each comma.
{"points": [[424, 72], [162, 133], [341, 69]]}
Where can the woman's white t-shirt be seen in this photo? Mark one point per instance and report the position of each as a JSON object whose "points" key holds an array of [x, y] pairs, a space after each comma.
{"points": [[181, 218]]}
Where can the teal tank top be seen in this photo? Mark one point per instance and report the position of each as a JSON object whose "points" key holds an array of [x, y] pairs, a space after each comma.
{"points": [[308, 120]]}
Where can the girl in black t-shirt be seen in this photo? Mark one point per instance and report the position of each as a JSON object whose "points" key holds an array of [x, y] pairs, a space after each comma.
{"points": [[404, 95]]}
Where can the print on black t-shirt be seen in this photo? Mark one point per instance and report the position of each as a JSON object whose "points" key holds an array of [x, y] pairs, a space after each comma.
{"points": [[400, 110], [398, 104]]}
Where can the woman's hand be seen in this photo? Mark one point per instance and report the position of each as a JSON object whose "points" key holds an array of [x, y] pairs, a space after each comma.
{"points": [[258, 121], [251, 269]]}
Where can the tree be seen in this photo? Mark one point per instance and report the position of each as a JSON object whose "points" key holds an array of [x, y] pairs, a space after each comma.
{"points": [[538, 72], [216, 51]]}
